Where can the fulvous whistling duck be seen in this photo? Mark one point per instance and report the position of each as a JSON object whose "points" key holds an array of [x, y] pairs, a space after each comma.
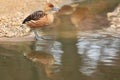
{"points": [[40, 19]]}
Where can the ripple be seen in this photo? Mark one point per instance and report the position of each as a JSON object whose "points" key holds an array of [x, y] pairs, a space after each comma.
{"points": [[97, 49], [57, 52]]}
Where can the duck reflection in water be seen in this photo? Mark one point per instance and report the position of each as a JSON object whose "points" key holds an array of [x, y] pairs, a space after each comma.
{"points": [[45, 54], [43, 61]]}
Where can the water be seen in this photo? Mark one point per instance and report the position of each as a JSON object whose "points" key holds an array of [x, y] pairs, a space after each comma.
{"points": [[75, 54]]}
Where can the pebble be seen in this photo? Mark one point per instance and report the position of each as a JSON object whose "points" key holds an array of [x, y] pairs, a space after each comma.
{"points": [[11, 27], [114, 18]]}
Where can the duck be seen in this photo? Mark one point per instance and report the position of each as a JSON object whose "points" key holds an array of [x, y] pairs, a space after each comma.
{"points": [[40, 19]]}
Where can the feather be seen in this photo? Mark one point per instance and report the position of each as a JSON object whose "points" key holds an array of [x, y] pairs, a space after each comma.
{"points": [[34, 16]]}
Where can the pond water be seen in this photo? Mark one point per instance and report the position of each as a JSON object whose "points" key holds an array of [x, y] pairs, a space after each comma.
{"points": [[73, 54]]}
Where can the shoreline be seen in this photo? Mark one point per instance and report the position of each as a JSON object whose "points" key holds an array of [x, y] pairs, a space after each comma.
{"points": [[30, 37]]}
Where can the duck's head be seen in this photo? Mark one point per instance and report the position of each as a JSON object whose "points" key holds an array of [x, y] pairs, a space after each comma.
{"points": [[49, 8]]}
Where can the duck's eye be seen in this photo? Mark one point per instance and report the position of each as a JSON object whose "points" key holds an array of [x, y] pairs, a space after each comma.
{"points": [[50, 5]]}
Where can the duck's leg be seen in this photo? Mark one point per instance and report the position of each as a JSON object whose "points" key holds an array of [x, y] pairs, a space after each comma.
{"points": [[37, 35]]}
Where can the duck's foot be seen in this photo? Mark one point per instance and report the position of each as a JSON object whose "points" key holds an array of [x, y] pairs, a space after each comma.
{"points": [[45, 37], [39, 38]]}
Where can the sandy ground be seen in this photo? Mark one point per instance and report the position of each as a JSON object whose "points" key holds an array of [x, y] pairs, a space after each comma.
{"points": [[10, 7]]}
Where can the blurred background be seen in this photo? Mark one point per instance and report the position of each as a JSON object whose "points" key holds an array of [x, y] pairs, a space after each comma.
{"points": [[84, 45]]}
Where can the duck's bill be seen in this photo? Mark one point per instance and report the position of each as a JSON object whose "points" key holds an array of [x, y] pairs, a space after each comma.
{"points": [[55, 9]]}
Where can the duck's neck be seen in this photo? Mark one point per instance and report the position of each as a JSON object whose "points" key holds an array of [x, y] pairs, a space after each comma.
{"points": [[50, 18], [49, 12]]}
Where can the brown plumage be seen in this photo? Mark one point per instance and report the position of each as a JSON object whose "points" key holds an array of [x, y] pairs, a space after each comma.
{"points": [[36, 19], [34, 16], [40, 18]]}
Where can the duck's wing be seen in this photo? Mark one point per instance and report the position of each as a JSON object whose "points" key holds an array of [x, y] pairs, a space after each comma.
{"points": [[34, 16]]}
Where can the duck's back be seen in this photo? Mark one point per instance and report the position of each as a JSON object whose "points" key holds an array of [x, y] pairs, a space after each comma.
{"points": [[37, 15]]}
